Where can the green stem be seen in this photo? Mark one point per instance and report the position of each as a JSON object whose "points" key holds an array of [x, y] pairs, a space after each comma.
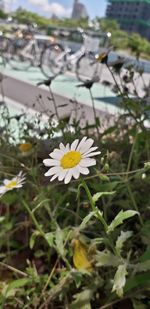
{"points": [[94, 112], [94, 208], [99, 216], [130, 157]]}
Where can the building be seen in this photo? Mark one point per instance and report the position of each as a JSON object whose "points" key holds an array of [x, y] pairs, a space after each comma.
{"points": [[79, 10], [132, 15]]}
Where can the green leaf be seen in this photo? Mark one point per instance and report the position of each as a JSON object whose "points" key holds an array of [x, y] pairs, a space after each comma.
{"points": [[82, 300], [120, 280], [141, 281], [144, 266], [77, 278], [59, 237], [106, 258], [10, 198], [33, 238], [86, 220], [122, 215], [121, 240], [16, 284], [98, 195], [50, 238], [105, 187]]}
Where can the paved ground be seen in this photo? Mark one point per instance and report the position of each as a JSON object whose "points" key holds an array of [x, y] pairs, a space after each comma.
{"points": [[21, 87]]}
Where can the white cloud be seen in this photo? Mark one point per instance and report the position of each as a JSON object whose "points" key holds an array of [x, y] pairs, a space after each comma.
{"points": [[51, 8]]}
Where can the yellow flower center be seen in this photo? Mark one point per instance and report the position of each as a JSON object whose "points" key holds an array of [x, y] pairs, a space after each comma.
{"points": [[11, 185], [25, 147], [70, 159]]}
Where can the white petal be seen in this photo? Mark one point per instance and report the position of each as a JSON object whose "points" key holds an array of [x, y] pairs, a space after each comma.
{"points": [[6, 181], [56, 154], [74, 144], [51, 162], [62, 147], [87, 162], [90, 150], [2, 190], [53, 170], [87, 145], [81, 143], [67, 147], [68, 176], [62, 175], [54, 177], [75, 172], [83, 170], [91, 154]]}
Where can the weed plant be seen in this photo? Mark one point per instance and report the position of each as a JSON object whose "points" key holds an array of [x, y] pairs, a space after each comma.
{"points": [[84, 244]]}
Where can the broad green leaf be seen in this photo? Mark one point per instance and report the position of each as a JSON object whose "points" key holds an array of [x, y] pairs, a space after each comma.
{"points": [[122, 215], [98, 195], [82, 300], [33, 238], [142, 281], [50, 238], [105, 187], [121, 240], [10, 198], [120, 280], [106, 258], [144, 266]]}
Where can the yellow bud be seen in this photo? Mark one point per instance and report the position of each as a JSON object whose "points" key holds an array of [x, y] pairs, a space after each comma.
{"points": [[25, 147]]}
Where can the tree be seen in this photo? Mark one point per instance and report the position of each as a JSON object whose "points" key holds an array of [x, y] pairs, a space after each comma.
{"points": [[3, 15], [137, 44]]}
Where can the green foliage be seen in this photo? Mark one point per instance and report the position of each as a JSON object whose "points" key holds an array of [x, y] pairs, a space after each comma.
{"points": [[137, 44], [3, 15], [121, 240], [105, 212], [121, 216]]}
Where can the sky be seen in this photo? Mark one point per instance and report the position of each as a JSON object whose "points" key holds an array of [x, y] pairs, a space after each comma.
{"points": [[62, 8]]}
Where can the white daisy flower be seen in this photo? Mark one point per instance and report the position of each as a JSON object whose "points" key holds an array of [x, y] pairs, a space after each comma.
{"points": [[71, 160], [14, 183]]}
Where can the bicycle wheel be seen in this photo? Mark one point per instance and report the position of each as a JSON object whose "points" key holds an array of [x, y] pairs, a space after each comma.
{"points": [[86, 68], [53, 60], [16, 59]]}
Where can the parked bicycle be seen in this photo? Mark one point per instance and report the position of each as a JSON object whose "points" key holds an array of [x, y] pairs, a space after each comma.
{"points": [[24, 49], [57, 59]]}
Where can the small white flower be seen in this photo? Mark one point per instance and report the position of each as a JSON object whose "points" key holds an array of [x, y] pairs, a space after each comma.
{"points": [[14, 183], [71, 160]]}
